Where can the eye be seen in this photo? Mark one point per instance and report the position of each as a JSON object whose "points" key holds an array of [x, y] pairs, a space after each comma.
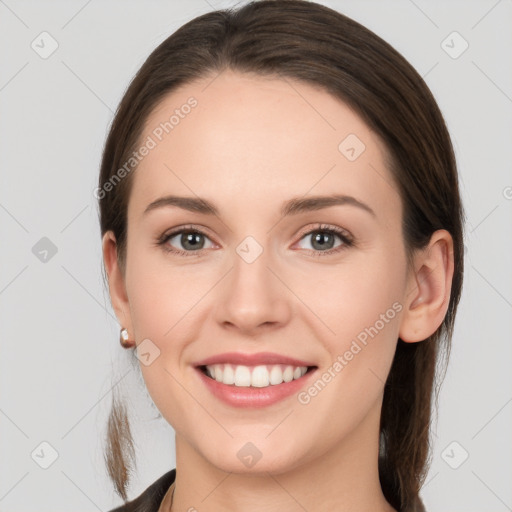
{"points": [[323, 240], [190, 239]]}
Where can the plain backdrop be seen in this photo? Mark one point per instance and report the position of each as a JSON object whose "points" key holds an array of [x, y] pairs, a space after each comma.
{"points": [[60, 353]]}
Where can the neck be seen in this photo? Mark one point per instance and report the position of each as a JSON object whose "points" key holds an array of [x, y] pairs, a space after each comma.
{"points": [[343, 479]]}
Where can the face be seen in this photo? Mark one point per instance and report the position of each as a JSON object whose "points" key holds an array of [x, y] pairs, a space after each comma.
{"points": [[291, 302]]}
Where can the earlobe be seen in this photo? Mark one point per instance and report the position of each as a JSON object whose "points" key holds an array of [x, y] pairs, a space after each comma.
{"points": [[116, 282], [429, 289]]}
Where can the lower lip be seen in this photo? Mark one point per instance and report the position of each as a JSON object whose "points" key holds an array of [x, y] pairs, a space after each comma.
{"points": [[241, 396]]}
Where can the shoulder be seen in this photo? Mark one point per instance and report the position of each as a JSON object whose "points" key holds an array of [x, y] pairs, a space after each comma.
{"points": [[150, 499]]}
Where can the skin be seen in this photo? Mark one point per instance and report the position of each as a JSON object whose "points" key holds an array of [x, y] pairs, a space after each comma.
{"points": [[251, 144]]}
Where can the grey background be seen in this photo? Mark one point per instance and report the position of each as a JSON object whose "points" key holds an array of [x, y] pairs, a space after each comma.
{"points": [[60, 355]]}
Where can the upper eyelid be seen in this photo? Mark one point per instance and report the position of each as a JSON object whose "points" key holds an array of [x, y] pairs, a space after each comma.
{"points": [[337, 230], [183, 229]]}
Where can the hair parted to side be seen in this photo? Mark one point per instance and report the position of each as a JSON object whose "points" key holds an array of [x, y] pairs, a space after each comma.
{"points": [[302, 40]]}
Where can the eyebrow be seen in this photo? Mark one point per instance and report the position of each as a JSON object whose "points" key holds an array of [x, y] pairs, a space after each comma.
{"points": [[293, 206]]}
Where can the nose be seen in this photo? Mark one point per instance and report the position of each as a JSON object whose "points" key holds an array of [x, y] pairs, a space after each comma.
{"points": [[252, 298]]}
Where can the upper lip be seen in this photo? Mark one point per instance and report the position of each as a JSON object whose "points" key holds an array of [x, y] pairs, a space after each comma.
{"points": [[259, 358]]}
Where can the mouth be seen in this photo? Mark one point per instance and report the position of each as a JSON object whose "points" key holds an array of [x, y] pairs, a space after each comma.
{"points": [[254, 380], [255, 376]]}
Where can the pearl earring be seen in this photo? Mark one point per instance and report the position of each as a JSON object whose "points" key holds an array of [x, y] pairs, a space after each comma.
{"points": [[124, 339]]}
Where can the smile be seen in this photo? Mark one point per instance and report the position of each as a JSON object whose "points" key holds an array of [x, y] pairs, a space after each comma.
{"points": [[260, 376], [253, 380]]}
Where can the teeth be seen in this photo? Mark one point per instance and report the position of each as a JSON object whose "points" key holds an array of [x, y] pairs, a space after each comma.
{"points": [[288, 374], [242, 376], [255, 376], [260, 377], [276, 375], [228, 377]]}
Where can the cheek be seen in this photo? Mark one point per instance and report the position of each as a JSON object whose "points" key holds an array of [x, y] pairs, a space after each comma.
{"points": [[161, 295], [161, 307], [350, 297], [166, 307], [361, 305], [363, 309]]}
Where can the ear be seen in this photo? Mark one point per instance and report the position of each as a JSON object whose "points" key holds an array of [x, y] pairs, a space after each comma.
{"points": [[116, 284], [429, 289]]}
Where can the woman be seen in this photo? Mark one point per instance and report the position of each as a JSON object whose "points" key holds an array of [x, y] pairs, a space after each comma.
{"points": [[283, 240]]}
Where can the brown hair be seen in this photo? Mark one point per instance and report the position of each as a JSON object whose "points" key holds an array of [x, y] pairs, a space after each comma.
{"points": [[303, 40]]}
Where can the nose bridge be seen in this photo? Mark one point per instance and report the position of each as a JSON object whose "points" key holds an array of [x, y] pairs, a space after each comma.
{"points": [[253, 296], [250, 272]]}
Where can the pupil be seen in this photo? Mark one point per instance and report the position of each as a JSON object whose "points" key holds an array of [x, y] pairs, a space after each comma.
{"points": [[321, 239], [192, 239]]}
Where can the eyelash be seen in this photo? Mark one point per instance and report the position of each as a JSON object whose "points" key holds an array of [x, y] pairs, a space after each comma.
{"points": [[346, 238]]}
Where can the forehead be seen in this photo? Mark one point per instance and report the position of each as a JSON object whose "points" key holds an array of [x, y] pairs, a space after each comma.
{"points": [[234, 135]]}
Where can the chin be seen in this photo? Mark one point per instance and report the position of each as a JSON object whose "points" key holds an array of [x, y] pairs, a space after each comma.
{"points": [[256, 457]]}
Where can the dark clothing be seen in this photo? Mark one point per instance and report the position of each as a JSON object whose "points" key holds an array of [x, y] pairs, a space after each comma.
{"points": [[151, 498]]}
